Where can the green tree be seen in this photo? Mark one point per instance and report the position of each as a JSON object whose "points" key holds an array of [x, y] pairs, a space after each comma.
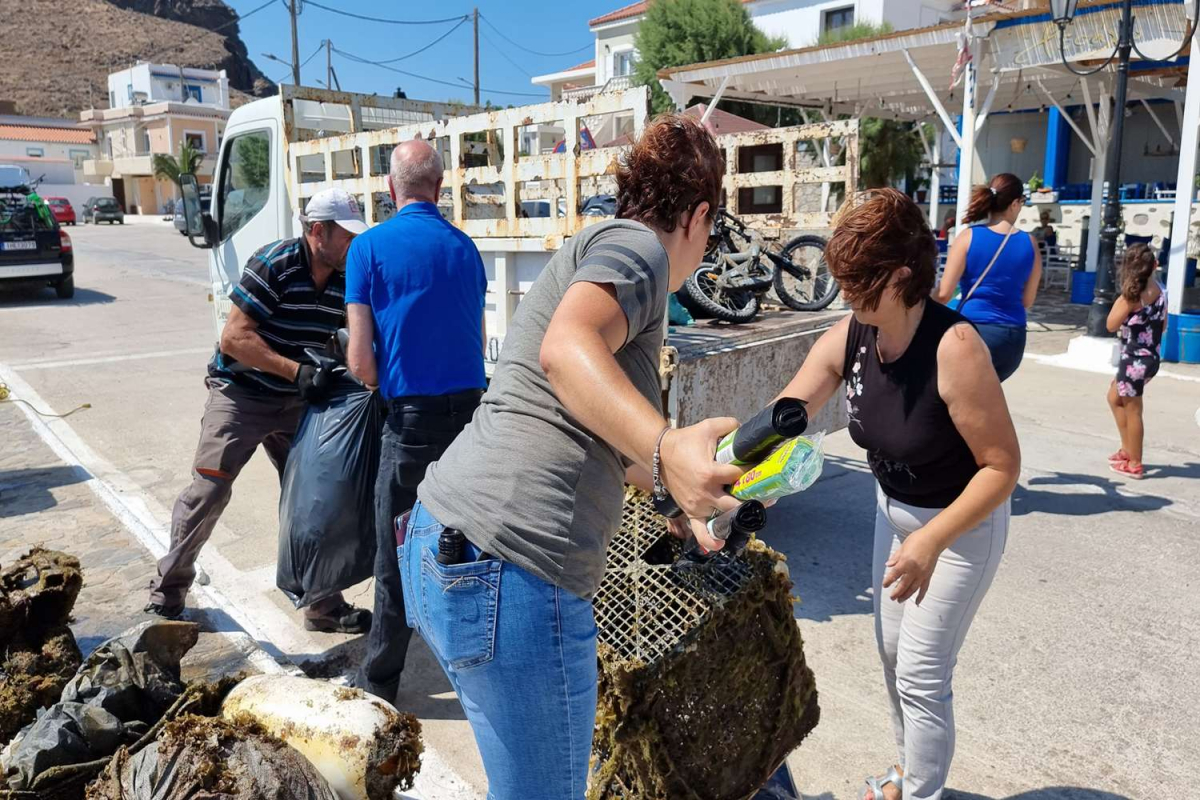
{"points": [[888, 150], [253, 159], [849, 33], [679, 32], [169, 168]]}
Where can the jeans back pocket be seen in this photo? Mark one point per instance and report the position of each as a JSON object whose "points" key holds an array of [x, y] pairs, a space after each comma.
{"points": [[458, 605]]}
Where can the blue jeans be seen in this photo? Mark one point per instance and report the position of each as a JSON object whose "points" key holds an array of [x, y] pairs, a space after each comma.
{"points": [[1007, 345], [521, 655]]}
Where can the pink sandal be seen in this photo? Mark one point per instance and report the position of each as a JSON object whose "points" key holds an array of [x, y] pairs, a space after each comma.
{"points": [[1118, 456], [1135, 471]]}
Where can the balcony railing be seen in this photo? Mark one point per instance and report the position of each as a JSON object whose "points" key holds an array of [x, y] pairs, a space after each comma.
{"points": [[585, 93]]}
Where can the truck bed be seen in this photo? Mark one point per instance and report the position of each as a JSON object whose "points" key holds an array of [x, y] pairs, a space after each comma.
{"points": [[734, 370]]}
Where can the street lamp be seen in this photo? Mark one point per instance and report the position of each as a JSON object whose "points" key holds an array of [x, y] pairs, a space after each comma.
{"points": [[1063, 14]]}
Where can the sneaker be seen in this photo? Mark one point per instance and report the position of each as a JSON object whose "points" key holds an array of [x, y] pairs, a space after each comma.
{"points": [[1118, 456], [163, 610], [343, 619], [1135, 471]]}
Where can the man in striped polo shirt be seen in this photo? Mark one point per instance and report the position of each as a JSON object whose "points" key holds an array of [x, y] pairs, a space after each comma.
{"points": [[291, 297]]}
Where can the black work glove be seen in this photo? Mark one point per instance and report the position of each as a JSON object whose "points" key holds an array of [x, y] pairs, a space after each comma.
{"points": [[314, 383]]}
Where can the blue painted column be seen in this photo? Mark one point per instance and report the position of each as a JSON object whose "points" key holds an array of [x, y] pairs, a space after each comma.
{"points": [[1058, 150]]}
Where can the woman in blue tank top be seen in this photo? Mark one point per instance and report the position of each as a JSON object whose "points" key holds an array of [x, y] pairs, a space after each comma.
{"points": [[1009, 263]]}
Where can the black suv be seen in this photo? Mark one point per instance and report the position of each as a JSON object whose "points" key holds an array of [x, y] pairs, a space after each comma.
{"points": [[34, 250]]}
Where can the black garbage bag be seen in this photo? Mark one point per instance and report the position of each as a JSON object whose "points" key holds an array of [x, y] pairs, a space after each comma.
{"points": [[205, 757], [122, 689], [326, 507]]}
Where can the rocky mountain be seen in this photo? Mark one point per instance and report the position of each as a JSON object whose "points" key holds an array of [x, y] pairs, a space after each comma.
{"points": [[58, 53]]}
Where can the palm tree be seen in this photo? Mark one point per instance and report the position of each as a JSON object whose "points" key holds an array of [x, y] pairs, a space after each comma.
{"points": [[169, 168]]}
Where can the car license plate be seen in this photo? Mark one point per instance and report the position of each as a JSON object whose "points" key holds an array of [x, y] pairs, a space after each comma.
{"points": [[18, 245]]}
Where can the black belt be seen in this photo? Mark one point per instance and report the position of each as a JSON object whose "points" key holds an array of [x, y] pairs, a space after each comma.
{"points": [[440, 403]]}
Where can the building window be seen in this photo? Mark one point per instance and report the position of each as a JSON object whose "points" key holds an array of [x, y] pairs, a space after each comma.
{"points": [[129, 92], [192, 92], [195, 140], [35, 152], [838, 18], [623, 63], [112, 99], [79, 156], [145, 142]]}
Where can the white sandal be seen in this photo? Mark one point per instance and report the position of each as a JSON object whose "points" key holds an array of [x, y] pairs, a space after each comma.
{"points": [[876, 785]]}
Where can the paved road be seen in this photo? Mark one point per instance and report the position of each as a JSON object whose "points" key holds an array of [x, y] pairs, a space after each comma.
{"points": [[1077, 681]]}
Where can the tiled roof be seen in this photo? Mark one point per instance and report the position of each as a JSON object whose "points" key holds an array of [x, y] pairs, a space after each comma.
{"points": [[27, 133], [585, 65], [631, 10]]}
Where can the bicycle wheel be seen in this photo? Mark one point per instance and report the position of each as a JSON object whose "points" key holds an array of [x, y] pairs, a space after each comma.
{"points": [[817, 288], [730, 306]]}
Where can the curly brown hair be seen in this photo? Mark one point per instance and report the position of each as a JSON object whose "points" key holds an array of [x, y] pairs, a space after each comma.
{"points": [[1136, 268], [674, 166], [880, 232]]}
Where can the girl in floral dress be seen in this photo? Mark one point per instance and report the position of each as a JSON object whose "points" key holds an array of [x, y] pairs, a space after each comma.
{"points": [[1140, 314]]}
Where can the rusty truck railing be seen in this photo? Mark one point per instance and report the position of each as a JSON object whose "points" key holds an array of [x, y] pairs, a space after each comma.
{"points": [[790, 146], [501, 162], [484, 199]]}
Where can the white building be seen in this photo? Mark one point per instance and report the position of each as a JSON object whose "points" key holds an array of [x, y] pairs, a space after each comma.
{"points": [[53, 150], [153, 109], [146, 83], [799, 22]]}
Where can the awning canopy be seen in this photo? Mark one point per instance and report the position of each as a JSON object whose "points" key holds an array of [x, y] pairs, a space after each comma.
{"points": [[1017, 54]]}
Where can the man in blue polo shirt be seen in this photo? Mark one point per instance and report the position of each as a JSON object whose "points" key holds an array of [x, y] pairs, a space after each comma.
{"points": [[415, 289]]}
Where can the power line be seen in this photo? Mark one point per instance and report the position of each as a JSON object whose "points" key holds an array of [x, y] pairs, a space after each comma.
{"points": [[461, 22], [462, 85], [530, 50], [505, 55], [316, 52], [386, 21]]}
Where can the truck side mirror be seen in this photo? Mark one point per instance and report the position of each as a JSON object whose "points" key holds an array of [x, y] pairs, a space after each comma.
{"points": [[196, 221]]}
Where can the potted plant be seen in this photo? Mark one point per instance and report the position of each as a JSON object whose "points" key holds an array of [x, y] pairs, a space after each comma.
{"points": [[1039, 192]]}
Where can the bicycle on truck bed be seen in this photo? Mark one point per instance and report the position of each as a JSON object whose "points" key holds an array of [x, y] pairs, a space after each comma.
{"points": [[733, 278]]}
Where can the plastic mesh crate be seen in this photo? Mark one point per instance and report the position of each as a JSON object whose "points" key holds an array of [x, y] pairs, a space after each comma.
{"points": [[704, 689]]}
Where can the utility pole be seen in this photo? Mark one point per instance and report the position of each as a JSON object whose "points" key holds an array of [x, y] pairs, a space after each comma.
{"points": [[329, 63], [476, 55], [1105, 292], [295, 44]]}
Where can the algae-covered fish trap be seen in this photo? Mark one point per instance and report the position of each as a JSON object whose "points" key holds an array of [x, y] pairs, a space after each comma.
{"points": [[704, 689]]}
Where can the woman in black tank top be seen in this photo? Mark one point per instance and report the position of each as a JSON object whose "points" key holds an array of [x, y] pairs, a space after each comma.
{"points": [[924, 401]]}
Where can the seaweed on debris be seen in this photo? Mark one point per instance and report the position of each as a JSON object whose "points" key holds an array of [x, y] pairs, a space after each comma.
{"points": [[703, 686]]}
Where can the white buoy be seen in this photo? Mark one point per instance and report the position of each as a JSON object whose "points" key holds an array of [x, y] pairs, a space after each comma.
{"points": [[360, 744]]}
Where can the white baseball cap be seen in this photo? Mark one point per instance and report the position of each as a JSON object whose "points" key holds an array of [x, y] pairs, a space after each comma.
{"points": [[336, 205]]}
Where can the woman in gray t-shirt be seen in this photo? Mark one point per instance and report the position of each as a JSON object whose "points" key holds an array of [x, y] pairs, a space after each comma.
{"points": [[535, 482]]}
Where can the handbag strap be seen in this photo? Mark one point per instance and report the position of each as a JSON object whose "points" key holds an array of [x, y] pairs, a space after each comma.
{"points": [[988, 269]]}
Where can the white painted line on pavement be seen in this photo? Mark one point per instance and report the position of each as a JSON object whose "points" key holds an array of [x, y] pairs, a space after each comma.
{"points": [[1069, 362], [82, 362], [136, 509]]}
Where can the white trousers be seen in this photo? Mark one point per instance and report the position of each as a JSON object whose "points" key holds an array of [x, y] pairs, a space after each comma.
{"points": [[919, 644]]}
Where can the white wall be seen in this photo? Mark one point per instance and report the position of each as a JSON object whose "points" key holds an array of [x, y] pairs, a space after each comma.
{"points": [[609, 41], [77, 193], [1141, 134], [995, 144], [161, 82], [51, 150], [801, 21]]}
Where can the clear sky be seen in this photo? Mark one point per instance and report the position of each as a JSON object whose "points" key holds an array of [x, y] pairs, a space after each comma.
{"points": [[547, 26]]}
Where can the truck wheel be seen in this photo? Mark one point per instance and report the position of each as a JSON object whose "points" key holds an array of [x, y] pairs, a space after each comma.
{"points": [[730, 306], [815, 288], [65, 289]]}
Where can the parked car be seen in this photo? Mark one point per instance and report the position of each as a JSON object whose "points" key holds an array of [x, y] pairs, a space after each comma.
{"points": [[62, 209], [601, 205], [181, 220], [103, 209], [34, 250]]}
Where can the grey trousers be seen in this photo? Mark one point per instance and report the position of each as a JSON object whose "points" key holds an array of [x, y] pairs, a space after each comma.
{"points": [[236, 421], [919, 644]]}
